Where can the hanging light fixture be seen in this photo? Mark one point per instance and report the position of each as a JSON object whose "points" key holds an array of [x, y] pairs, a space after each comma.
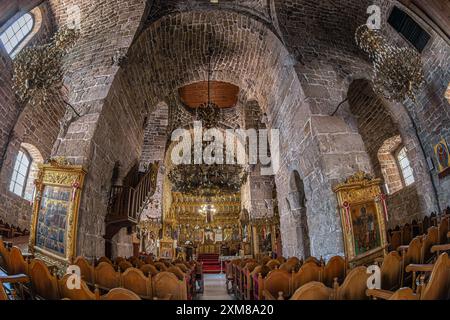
{"points": [[208, 179], [398, 72], [209, 113]]}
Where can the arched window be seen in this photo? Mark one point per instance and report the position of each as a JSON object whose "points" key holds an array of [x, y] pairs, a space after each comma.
{"points": [[25, 171], [16, 33], [20, 173], [405, 167]]}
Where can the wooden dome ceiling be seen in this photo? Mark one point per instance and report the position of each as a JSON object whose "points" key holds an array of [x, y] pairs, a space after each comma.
{"points": [[223, 94]]}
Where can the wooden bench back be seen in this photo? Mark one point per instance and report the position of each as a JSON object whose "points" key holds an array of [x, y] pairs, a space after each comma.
{"points": [[44, 284], [429, 240], [354, 286], [134, 280], [86, 269], [17, 263], [106, 277], [84, 293], [167, 284], [120, 294], [335, 268], [277, 281], [149, 270], [438, 286], [308, 272], [391, 271], [313, 291]]}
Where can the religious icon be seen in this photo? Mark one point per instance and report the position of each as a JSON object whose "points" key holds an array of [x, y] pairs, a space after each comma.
{"points": [[209, 236], [198, 235], [365, 227], [363, 211], [218, 235], [443, 159]]}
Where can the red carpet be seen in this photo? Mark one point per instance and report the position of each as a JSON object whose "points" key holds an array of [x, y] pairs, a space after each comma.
{"points": [[211, 263]]}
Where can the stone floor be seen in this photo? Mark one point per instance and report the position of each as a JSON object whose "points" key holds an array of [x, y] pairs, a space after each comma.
{"points": [[215, 288]]}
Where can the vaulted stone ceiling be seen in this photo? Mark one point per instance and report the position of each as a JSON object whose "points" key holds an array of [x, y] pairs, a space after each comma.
{"points": [[256, 9]]}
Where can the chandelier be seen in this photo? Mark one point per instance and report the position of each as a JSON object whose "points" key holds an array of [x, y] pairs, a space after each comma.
{"points": [[38, 70], [209, 113], [398, 72], [207, 180]]}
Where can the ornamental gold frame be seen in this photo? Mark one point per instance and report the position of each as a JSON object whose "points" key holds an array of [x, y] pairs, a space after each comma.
{"points": [[57, 175], [360, 189]]}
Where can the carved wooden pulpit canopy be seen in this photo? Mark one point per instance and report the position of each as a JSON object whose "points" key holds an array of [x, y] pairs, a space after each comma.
{"points": [[363, 211], [55, 211]]}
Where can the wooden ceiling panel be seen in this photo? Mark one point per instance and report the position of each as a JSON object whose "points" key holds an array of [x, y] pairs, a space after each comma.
{"points": [[223, 94]]}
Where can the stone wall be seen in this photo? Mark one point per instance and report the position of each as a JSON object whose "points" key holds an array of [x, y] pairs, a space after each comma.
{"points": [[378, 127], [35, 125], [9, 106], [431, 113], [111, 126]]}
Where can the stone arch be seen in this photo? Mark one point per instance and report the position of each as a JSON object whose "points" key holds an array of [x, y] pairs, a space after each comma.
{"points": [[156, 66], [388, 163]]}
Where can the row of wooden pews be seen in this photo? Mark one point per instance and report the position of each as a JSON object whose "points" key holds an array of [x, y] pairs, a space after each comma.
{"points": [[179, 274], [32, 279], [402, 235], [123, 279], [269, 278], [434, 283], [281, 279], [9, 231]]}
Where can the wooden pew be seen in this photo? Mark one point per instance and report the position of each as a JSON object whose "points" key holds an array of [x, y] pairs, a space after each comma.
{"points": [[437, 288], [246, 279], [309, 271], [86, 269], [118, 294], [336, 267], [166, 285], [149, 270], [44, 284], [277, 285], [391, 271], [134, 280], [313, 291], [260, 272], [411, 253], [106, 278], [83, 293], [354, 286], [429, 240]]}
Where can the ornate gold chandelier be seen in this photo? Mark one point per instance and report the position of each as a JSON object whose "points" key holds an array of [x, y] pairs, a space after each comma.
{"points": [[38, 70], [207, 180], [398, 72]]}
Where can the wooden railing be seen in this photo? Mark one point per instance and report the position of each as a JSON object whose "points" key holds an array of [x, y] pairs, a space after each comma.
{"points": [[127, 203]]}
